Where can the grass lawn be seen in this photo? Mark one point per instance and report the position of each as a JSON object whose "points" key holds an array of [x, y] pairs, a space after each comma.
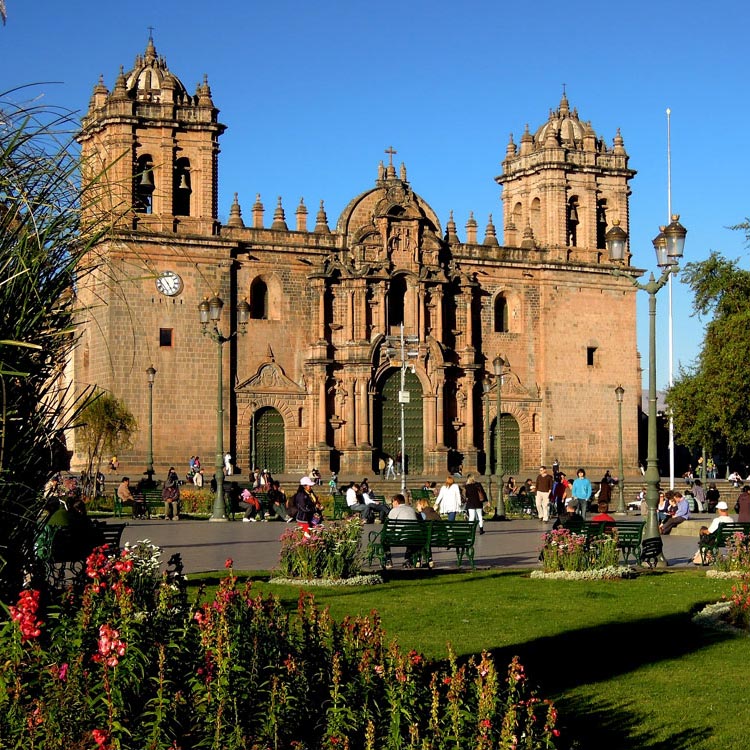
{"points": [[621, 659]]}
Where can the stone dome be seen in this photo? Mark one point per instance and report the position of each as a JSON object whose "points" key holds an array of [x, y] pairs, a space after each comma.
{"points": [[150, 76], [564, 126]]}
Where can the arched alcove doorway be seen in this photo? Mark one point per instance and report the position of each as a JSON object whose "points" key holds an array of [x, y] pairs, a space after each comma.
{"points": [[510, 442], [387, 423], [267, 440]]}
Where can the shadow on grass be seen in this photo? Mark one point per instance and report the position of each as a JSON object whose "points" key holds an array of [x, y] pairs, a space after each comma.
{"points": [[587, 656]]}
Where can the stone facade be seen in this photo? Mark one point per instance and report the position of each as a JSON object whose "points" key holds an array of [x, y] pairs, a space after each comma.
{"points": [[317, 378]]}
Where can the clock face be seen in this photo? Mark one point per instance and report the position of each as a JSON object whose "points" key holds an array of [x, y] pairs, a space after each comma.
{"points": [[169, 283]]}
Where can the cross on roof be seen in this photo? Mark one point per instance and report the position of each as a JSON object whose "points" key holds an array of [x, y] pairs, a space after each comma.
{"points": [[150, 32], [390, 151]]}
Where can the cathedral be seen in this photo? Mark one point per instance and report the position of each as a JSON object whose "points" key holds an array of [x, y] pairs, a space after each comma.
{"points": [[380, 334]]}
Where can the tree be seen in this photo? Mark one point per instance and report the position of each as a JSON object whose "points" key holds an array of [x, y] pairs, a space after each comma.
{"points": [[105, 426], [711, 401], [42, 248]]}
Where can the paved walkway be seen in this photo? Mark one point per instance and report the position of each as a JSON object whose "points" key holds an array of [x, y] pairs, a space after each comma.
{"points": [[205, 546]]}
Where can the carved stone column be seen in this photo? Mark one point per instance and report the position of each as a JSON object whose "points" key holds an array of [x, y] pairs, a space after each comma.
{"points": [[469, 323], [363, 421], [319, 286], [350, 414], [437, 325], [322, 416]]}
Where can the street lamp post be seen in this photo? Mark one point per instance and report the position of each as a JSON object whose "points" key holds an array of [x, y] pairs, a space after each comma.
{"points": [[621, 509], [151, 375], [403, 395], [499, 365], [487, 473], [675, 242], [210, 312]]}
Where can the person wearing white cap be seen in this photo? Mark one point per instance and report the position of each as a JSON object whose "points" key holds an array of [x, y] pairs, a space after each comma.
{"points": [[723, 517], [305, 502]]}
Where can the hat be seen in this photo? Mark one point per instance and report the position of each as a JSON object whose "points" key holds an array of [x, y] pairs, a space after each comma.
{"points": [[306, 481], [721, 505], [571, 502]]}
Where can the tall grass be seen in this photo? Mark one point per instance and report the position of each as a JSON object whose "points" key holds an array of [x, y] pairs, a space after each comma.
{"points": [[42, 248]]}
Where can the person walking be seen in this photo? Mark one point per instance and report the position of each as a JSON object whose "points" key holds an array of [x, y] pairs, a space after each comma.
{"points": [[448, 500], [475, 500], [581, 491], [543, 489], [305, 503], [390, 469]]}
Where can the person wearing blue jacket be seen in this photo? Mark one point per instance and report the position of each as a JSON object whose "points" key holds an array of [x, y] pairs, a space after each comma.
{"points": [[581, 491]]}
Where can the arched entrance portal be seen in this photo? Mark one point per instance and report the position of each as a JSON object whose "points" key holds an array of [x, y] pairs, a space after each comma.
{"points": [[510, 444], [387, 424], [267, 440]]}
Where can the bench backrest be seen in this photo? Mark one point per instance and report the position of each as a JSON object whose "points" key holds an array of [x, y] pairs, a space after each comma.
{"points": [[453, 533], [112, 534], [630, 530], [398, 532], [727, 530]]}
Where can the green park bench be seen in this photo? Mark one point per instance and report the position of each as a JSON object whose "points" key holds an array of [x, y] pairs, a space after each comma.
{"points": [[710, 544], [400, 533], [152, 498], [423, 537], [458, 535], [260, 496], [61, 551], [521, 504], [629, 538], [340, 508], [421, 494]]}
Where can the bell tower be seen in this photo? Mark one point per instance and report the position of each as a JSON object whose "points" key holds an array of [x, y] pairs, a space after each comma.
{"points": [[563, 187], [153, 149]]}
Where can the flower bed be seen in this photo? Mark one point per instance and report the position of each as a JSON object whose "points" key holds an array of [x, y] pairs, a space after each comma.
{"points": [[736, 559], [129, 664], [330, 551], [609, 572], [563, 550]]}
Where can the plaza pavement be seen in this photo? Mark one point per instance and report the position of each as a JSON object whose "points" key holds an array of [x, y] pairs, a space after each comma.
{"points": [[205, 546]]}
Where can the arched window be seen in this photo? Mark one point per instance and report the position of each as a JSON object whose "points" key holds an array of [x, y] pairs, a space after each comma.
{"points": [[143, 184], [182, 188], [535, 218], [572, 230], [518, 216], [396, 295], [501, 314], [259, 300], [601, 223]]}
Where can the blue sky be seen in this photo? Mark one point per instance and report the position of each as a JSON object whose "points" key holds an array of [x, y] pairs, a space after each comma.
{"points": [[312, 94]]}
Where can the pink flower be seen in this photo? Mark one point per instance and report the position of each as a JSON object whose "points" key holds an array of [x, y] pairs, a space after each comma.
{"points": [[62, 672], [110, 646]]}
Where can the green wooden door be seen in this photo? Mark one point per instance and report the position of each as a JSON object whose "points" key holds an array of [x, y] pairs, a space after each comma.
{"points": [[388, 420], [510, 437], [269, 440]]}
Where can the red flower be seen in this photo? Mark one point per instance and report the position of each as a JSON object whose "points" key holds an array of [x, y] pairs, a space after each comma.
{"points": [[100, 737], [229, 562], [25, 614]]}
